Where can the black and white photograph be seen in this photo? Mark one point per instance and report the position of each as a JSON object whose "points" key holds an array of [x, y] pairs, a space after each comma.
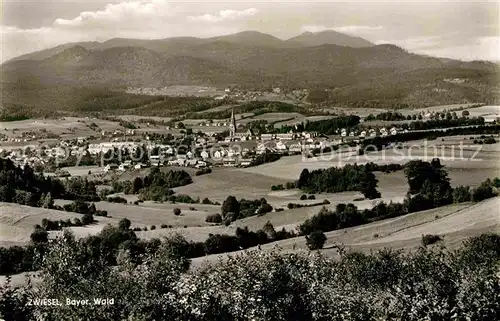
{"points": [[249, 160]]}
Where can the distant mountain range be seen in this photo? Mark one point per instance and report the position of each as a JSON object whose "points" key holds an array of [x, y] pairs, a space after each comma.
{"points": [[246, 38], [352, 68]]}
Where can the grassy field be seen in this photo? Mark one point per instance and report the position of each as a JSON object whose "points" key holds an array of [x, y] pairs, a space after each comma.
{"points": [[68, 127]]}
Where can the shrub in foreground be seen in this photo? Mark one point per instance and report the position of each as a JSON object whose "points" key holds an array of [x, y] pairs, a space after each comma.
{"points": [[426, 284]]}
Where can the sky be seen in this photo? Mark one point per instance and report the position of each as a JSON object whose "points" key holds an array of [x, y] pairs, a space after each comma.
{"points": [[453, 29]]}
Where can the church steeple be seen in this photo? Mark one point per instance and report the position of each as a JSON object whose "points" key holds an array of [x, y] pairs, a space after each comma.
{"points": [[232, 125]]}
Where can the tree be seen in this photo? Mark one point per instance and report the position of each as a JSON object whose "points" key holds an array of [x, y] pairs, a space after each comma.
{"points": [[265, 208], [124, 224], [47, 201], [303, 178], [177, 211], [87, 219], [137, 184], [39, 236], [316, 240], [465, 113], [230, 205]]}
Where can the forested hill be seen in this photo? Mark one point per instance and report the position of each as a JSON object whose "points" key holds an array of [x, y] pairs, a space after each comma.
{"points": [[364, 76]]}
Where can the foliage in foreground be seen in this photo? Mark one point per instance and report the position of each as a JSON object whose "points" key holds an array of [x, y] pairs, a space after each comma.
{"points": [[428, 284]]}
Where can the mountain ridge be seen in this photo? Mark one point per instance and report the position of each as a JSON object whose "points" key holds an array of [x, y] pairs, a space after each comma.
{"points": [[374, 76], [330, 37], [247, 38]]}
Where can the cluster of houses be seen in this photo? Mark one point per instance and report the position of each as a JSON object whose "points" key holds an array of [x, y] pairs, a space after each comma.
{"points": [[370, 132]]}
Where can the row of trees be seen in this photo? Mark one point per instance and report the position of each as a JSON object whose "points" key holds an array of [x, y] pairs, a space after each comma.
{"points": [[386, 116]]}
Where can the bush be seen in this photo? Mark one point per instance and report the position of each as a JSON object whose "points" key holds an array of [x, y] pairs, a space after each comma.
{"points": [[177, 211], [461, 194], [101, 213], [303, 197], [153, 227], [311, 197], [429, 239], [277, 187], [316, 240], [490, 140], [214, 218], [483, 191], [164, 226], [203, 171], [117, 199]]}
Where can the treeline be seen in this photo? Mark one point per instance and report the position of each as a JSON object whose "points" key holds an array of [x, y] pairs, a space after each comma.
{"points": [[264, 158], [442, 123], [386, 116], [429, 187], [334, 180]]}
